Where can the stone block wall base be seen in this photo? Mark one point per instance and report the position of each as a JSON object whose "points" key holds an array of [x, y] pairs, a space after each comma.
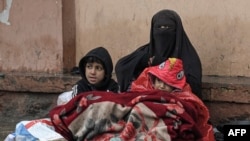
{"points": [[225, 112], [16, 107]]}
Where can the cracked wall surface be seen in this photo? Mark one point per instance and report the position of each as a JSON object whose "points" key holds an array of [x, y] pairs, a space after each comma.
{"points": [[219, 30], [33, 40], [44, 37]]}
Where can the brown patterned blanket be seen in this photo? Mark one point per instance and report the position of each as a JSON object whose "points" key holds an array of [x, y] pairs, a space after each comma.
{"points": [[132, 116]]}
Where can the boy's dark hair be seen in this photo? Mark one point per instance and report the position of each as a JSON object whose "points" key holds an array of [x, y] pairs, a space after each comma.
{"points": [[93, 59]]}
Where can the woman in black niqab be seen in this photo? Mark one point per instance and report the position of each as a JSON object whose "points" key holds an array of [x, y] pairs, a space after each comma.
{"points": [[167, 39]]}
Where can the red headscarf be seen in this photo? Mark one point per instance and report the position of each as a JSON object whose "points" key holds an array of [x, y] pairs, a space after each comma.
{"points": [[170, 72]]}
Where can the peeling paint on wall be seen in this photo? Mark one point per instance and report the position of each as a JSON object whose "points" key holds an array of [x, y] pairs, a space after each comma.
{"points": [[4, 15]]}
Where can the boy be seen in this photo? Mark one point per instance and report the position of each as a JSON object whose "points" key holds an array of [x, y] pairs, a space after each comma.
{"points": [[96, 71]]}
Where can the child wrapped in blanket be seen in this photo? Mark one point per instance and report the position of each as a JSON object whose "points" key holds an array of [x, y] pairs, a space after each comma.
{"points": [[169, 77]]}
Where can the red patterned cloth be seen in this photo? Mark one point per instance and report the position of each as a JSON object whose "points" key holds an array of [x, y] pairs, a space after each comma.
{"points": [[145, 115], [170, 72]]}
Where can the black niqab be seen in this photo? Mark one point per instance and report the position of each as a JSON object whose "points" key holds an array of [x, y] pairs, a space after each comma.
{"points": [[167, 39]]}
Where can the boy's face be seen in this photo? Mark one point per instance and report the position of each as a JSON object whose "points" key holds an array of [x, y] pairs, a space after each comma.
{"points": [[160, 85], [94, 72]]}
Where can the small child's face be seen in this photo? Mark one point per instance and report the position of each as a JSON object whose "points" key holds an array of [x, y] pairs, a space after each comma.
{"points": [[160, 85], [94, 72]]}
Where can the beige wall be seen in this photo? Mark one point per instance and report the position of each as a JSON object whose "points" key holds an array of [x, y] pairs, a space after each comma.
{"points": [[219, 30], [33, 40], [43, 38]]}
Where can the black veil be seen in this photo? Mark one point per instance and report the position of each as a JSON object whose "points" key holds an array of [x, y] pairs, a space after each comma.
{"points": [[167, 39]]}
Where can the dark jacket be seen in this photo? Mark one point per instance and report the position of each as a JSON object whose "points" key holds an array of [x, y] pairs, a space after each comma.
{"points": [[108, 84]]}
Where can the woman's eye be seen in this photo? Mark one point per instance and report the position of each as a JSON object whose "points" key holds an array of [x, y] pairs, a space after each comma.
{"points": [[164, 26]]}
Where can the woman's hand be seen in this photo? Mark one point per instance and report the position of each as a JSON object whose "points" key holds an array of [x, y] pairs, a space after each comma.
{"points": [[151, 60]]}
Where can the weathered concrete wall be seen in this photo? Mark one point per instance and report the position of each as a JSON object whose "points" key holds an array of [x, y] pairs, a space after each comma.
{"points": [[20, 106], [69, 34], [228, 98], [51, 36], [31, 38], [219, 30], [29, 97]]}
